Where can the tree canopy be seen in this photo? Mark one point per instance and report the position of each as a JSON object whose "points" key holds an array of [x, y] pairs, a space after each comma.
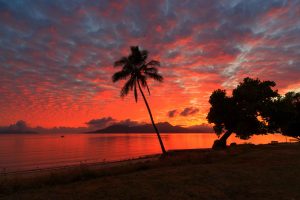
{"points": [[285, 114], [243, 113]]}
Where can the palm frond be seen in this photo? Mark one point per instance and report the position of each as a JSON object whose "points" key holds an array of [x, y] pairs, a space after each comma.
{"points": [[128, 86], [123, 61], [143, 80], [154, 62], [144, 55], [151, 63], [134, 50], [128, 66], [137, 57], [151, 70], [154, 76], [120, 75], [136, 67]]}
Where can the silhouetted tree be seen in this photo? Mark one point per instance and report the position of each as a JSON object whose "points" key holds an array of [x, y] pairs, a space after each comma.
{"points": [[137, 70], [285, 114], [223, 114], [244, 113]]}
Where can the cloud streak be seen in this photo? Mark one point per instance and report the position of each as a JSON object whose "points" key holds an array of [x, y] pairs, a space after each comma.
{"points": [[189, 111], [172, 113]]}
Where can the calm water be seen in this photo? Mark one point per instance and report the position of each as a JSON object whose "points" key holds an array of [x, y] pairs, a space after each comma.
{"points": [[31, 151]]}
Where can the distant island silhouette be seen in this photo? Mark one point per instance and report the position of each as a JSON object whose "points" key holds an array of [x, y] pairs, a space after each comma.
{"points": [[17, 132], [21, 127], [164, 127]]}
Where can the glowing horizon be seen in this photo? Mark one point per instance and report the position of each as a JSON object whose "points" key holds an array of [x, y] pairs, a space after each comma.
{"points": [[57, 57]]}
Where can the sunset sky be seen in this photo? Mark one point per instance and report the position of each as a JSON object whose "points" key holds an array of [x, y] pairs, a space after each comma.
{"points": [[56, 56]]}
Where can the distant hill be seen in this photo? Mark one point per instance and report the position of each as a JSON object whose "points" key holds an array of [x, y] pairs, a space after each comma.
{"points": [[19, 127], [163, 127], [16, 132]]}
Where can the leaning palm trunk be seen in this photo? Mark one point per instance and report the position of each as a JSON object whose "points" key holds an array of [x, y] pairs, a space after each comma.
{"points": [[155, 128]]}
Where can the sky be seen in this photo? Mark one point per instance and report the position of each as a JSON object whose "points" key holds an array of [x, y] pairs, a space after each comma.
{"points": [[56, 57]]}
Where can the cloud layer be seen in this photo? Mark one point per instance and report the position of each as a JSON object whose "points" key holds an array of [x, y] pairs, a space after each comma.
{"points": [[56, 56], [189, 111], [108, 121], [184, 113]]}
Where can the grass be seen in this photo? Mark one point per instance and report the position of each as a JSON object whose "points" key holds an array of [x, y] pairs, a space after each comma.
{"points": [[241, 172]]}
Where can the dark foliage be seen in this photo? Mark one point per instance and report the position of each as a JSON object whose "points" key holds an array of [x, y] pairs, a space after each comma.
{"points": [[137, 70], [285, 115], [244, 113]]}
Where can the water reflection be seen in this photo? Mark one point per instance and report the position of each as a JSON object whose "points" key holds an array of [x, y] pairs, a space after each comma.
{"points": [[19, 152]]}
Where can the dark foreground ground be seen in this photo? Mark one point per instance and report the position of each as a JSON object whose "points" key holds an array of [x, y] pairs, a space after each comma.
{"points": [[241, 172]]}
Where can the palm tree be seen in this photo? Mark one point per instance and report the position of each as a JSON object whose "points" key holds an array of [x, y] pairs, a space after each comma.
{"points": [[138, 70]]}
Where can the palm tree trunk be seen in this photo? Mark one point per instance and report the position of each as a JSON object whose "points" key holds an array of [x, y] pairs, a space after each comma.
{"points": [[155, 128]]}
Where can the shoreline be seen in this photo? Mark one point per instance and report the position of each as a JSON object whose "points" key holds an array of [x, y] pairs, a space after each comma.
{"points": [[111, 163], [100, 164], [184, 171], [124, 162]]}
